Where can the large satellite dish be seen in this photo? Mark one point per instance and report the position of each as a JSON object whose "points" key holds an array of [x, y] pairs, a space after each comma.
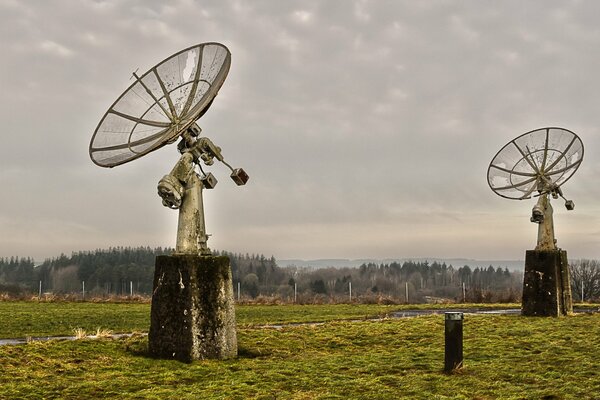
{"points": [[537, 163], [160, 104], [541, 159]]}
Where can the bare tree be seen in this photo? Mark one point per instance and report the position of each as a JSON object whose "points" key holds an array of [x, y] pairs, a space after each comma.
{"points": [[585, 279]]}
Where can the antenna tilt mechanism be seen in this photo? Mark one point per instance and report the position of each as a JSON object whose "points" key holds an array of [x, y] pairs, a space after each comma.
{"points": [[537, 164], [159, 107]]}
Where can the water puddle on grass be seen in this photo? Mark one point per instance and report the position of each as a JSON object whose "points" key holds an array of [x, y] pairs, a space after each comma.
{"points": [[507, 311], [419, 313], [5, 342]]}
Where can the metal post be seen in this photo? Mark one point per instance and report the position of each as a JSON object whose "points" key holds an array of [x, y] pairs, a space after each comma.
{"points": [[83, 290], [453, 335], [131, 288], [545, 239], [295, 292], [582, 290], [350, 289], [40, 291], [406, 292], [239, 292], [464, 290], [191, 233]]}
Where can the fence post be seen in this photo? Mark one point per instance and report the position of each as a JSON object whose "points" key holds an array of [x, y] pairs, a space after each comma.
{"points": [[350, 289], [239, 292], [453, 337], [406, 292], [40, 291], [295, 292], [83, 290]]}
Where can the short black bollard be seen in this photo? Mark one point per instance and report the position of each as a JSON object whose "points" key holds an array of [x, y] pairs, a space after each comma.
{"points": [[453, 341]]}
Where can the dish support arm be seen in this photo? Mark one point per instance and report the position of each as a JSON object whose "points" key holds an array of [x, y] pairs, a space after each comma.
{"points": [[182, 189], [542, 214]]}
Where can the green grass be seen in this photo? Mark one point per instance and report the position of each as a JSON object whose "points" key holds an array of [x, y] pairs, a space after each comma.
{"points": [[19, 319], [347, 357], [506, 357]]}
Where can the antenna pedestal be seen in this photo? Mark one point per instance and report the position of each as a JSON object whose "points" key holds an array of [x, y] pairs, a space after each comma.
{"points": [[192, 304], [542, 214], [191, 230], [546, 284], [192, 315], [182, 189]]}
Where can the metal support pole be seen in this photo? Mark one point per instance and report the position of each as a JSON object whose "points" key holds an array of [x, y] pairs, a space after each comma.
{"points": [[406, 292], [83, 290], [191, 233], [545, 239], [350, 290], [295, 292], [239, 291], [453, 335]]}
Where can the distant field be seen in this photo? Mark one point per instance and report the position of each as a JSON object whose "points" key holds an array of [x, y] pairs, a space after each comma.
{"points": [[19, 319], [506, 357]]}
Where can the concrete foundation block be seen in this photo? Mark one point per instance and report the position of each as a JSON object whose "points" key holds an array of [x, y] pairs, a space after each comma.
{"points": [[192, 315], [546, 284]]}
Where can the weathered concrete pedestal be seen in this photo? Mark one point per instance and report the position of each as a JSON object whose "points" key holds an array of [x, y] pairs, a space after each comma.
{"points": [[546, 284], [192, 316]]}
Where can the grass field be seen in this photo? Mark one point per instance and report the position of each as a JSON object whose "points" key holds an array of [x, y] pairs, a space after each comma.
{"points": [[21, 318], [506, 357]]}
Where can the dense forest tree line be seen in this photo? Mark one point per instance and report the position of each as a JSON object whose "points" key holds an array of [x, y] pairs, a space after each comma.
{"points": [[255, 273], [105, 272], [15, 271], [120, 270], [421, 281]]}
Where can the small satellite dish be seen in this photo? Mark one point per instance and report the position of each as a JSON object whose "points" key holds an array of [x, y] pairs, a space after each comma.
{"points": [[537, 163], [161, 106]]}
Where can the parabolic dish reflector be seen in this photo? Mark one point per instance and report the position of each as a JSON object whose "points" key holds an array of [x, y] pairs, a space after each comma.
{"points": [[538, 159], [160, 104]]}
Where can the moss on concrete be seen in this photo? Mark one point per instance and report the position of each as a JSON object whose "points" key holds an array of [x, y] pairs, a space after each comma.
{"points": [[546, 286], [192, 314]]}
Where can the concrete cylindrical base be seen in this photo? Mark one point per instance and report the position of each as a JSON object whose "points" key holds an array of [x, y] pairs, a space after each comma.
{"points": [[546, 284], [192, 316]]}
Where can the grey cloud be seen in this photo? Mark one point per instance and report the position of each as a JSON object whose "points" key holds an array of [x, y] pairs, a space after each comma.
{"points": [[366, 127]]}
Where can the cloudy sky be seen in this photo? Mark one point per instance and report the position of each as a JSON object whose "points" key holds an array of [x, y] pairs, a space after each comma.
{"points": [[366, 126]]}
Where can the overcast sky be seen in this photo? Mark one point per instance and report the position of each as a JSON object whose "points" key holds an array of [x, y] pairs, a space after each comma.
{"points": [[366, 126]]}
